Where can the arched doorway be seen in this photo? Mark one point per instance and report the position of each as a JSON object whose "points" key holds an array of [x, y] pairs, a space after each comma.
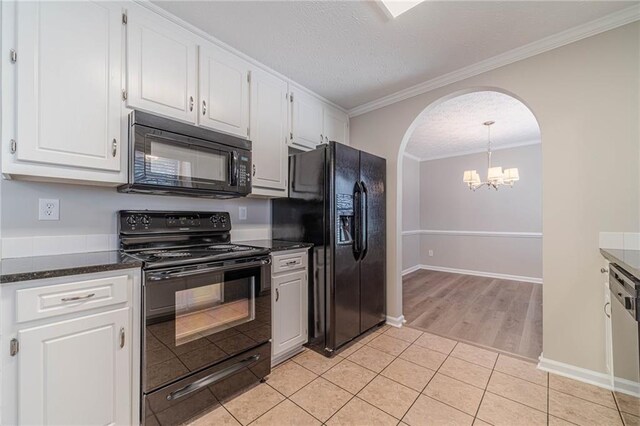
{"points": [[486, 245]]}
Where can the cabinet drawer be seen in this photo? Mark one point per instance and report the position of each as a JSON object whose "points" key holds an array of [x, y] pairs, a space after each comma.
{"points": [[289, 261], [49, 301]]}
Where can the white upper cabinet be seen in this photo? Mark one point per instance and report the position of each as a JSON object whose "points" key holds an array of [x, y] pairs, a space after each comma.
{"points": [[336, 125], [306, 120], [161, 66], [68, 82], [314, 122], [223, 91], [269, 133]]}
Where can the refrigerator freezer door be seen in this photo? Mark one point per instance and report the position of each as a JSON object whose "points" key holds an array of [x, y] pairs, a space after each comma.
{"points": [[373, 260], [345, 291]]}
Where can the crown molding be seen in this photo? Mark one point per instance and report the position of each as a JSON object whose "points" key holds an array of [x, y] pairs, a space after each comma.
{"points": [[474, 151], [412, 157], [205, 35], [597, 26]]}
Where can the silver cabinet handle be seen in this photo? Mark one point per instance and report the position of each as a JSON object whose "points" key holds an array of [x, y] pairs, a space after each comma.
{"points": [[122, 337], [204, 108], [291, 262], [75, 298], [321, 138], [190, 103], [277, 295], [254, 169], [604, 270], [114, 147], [326, 139], [605, 310]]}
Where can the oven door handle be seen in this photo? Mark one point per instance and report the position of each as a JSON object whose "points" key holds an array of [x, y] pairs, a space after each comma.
{"points": [[207, 380], [177, 273]]}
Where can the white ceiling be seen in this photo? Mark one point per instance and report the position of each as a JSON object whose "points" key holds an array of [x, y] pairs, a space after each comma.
{"points": [[455, 127], [351, 53]]}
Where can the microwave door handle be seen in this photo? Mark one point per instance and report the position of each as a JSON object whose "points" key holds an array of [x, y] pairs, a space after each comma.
{"points": [[233, 168]]}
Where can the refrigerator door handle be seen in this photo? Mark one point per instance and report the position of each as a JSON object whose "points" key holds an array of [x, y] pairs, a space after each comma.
{"points": [[364, 218], [357, 221]]}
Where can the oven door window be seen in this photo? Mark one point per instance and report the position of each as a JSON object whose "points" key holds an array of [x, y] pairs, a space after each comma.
{"points": [[193, 321], [209, 309], [184, 163]]}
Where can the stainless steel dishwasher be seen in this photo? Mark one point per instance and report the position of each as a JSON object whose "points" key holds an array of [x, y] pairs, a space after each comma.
{"points": [[625, 330]]}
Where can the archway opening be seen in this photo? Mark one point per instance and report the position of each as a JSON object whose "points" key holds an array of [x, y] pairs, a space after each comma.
{"points": [[470, 228]]}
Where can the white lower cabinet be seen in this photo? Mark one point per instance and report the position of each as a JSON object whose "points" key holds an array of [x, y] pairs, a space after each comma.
{"points": [[77, 363], [76, 372], [289, 293]]}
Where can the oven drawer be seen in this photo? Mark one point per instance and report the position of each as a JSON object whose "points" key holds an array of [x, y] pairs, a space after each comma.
{"points": [[49, 301], [179, 402], [289, 261]]}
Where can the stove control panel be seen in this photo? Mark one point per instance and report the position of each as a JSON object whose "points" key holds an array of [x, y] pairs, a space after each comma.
{"points": [[145, 221]]}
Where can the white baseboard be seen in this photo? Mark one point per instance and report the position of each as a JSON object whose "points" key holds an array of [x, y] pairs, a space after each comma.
{"points": [[410, 270], [534, 280], [576, 373], [395, 321]]}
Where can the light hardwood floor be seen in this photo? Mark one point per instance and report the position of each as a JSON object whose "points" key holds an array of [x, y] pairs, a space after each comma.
{"points": [[501, 314]]}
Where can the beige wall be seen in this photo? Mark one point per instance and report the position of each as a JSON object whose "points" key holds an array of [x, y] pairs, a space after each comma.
{"points": [[411, 213], [585, 97]]}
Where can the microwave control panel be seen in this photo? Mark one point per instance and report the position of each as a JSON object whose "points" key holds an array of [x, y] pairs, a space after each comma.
{"points": [[244, 174]]}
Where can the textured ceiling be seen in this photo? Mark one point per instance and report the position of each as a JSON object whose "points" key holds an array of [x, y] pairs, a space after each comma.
{"points": [[351, 53], [455, 127]]}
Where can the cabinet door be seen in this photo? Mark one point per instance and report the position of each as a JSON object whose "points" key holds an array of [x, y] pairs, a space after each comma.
{"points": [[268, 132], [224, 91], [161, 66], [68, 83], [306, 120], [75, 372], [336, 126], [289, 311]]}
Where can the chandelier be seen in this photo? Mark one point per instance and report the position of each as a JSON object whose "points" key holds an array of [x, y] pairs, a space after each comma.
{"points": [[495, 176]]}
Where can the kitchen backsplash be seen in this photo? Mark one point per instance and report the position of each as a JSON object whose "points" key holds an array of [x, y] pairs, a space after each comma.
{"points": [[88, 217], [620, 240]]}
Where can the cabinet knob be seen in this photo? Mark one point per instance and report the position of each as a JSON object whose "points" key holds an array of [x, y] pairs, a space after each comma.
{"points": [[326, 139], [321, 138], [114, 147], [204, 108], [604, 270]]}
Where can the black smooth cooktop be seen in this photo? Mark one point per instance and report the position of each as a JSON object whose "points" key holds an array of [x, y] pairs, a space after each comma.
{"points": [[158, 257]]}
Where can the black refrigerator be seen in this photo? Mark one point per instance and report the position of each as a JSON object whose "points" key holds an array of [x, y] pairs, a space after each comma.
{"points": [[337, 202]]}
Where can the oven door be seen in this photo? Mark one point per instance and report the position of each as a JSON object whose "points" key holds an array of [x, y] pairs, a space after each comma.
{"points": [[184, 164], [197, 316]]}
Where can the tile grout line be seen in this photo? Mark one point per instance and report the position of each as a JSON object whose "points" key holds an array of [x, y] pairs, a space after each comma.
{"points": [[484, 392], [548, 403], [615, 401]]}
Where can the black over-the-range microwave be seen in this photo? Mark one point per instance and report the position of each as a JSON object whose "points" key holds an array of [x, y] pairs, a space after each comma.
{"points": [[172, 158]]}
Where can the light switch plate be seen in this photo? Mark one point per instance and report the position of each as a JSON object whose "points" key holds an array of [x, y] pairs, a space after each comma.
{"points": [[48, 209]]}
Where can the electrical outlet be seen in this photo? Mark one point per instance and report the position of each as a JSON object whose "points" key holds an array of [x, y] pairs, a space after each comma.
{"points": [[48, 209], [430, 253], [242, 213]]}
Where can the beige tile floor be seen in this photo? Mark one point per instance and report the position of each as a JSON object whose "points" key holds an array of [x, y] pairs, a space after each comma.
{"points": [[404, 376]]}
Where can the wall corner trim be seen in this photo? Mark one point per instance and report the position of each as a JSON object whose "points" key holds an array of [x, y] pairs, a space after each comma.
{"points": [[396, 321], [580, 374], [571, 35]]}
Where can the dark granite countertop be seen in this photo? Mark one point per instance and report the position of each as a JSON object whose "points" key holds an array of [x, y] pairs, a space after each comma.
{"points": [[39, 267], [629, 260], [276, 245]]}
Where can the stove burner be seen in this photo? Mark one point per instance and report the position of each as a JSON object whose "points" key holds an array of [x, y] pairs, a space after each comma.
{"points": [[228, 247], [165, 253]]}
